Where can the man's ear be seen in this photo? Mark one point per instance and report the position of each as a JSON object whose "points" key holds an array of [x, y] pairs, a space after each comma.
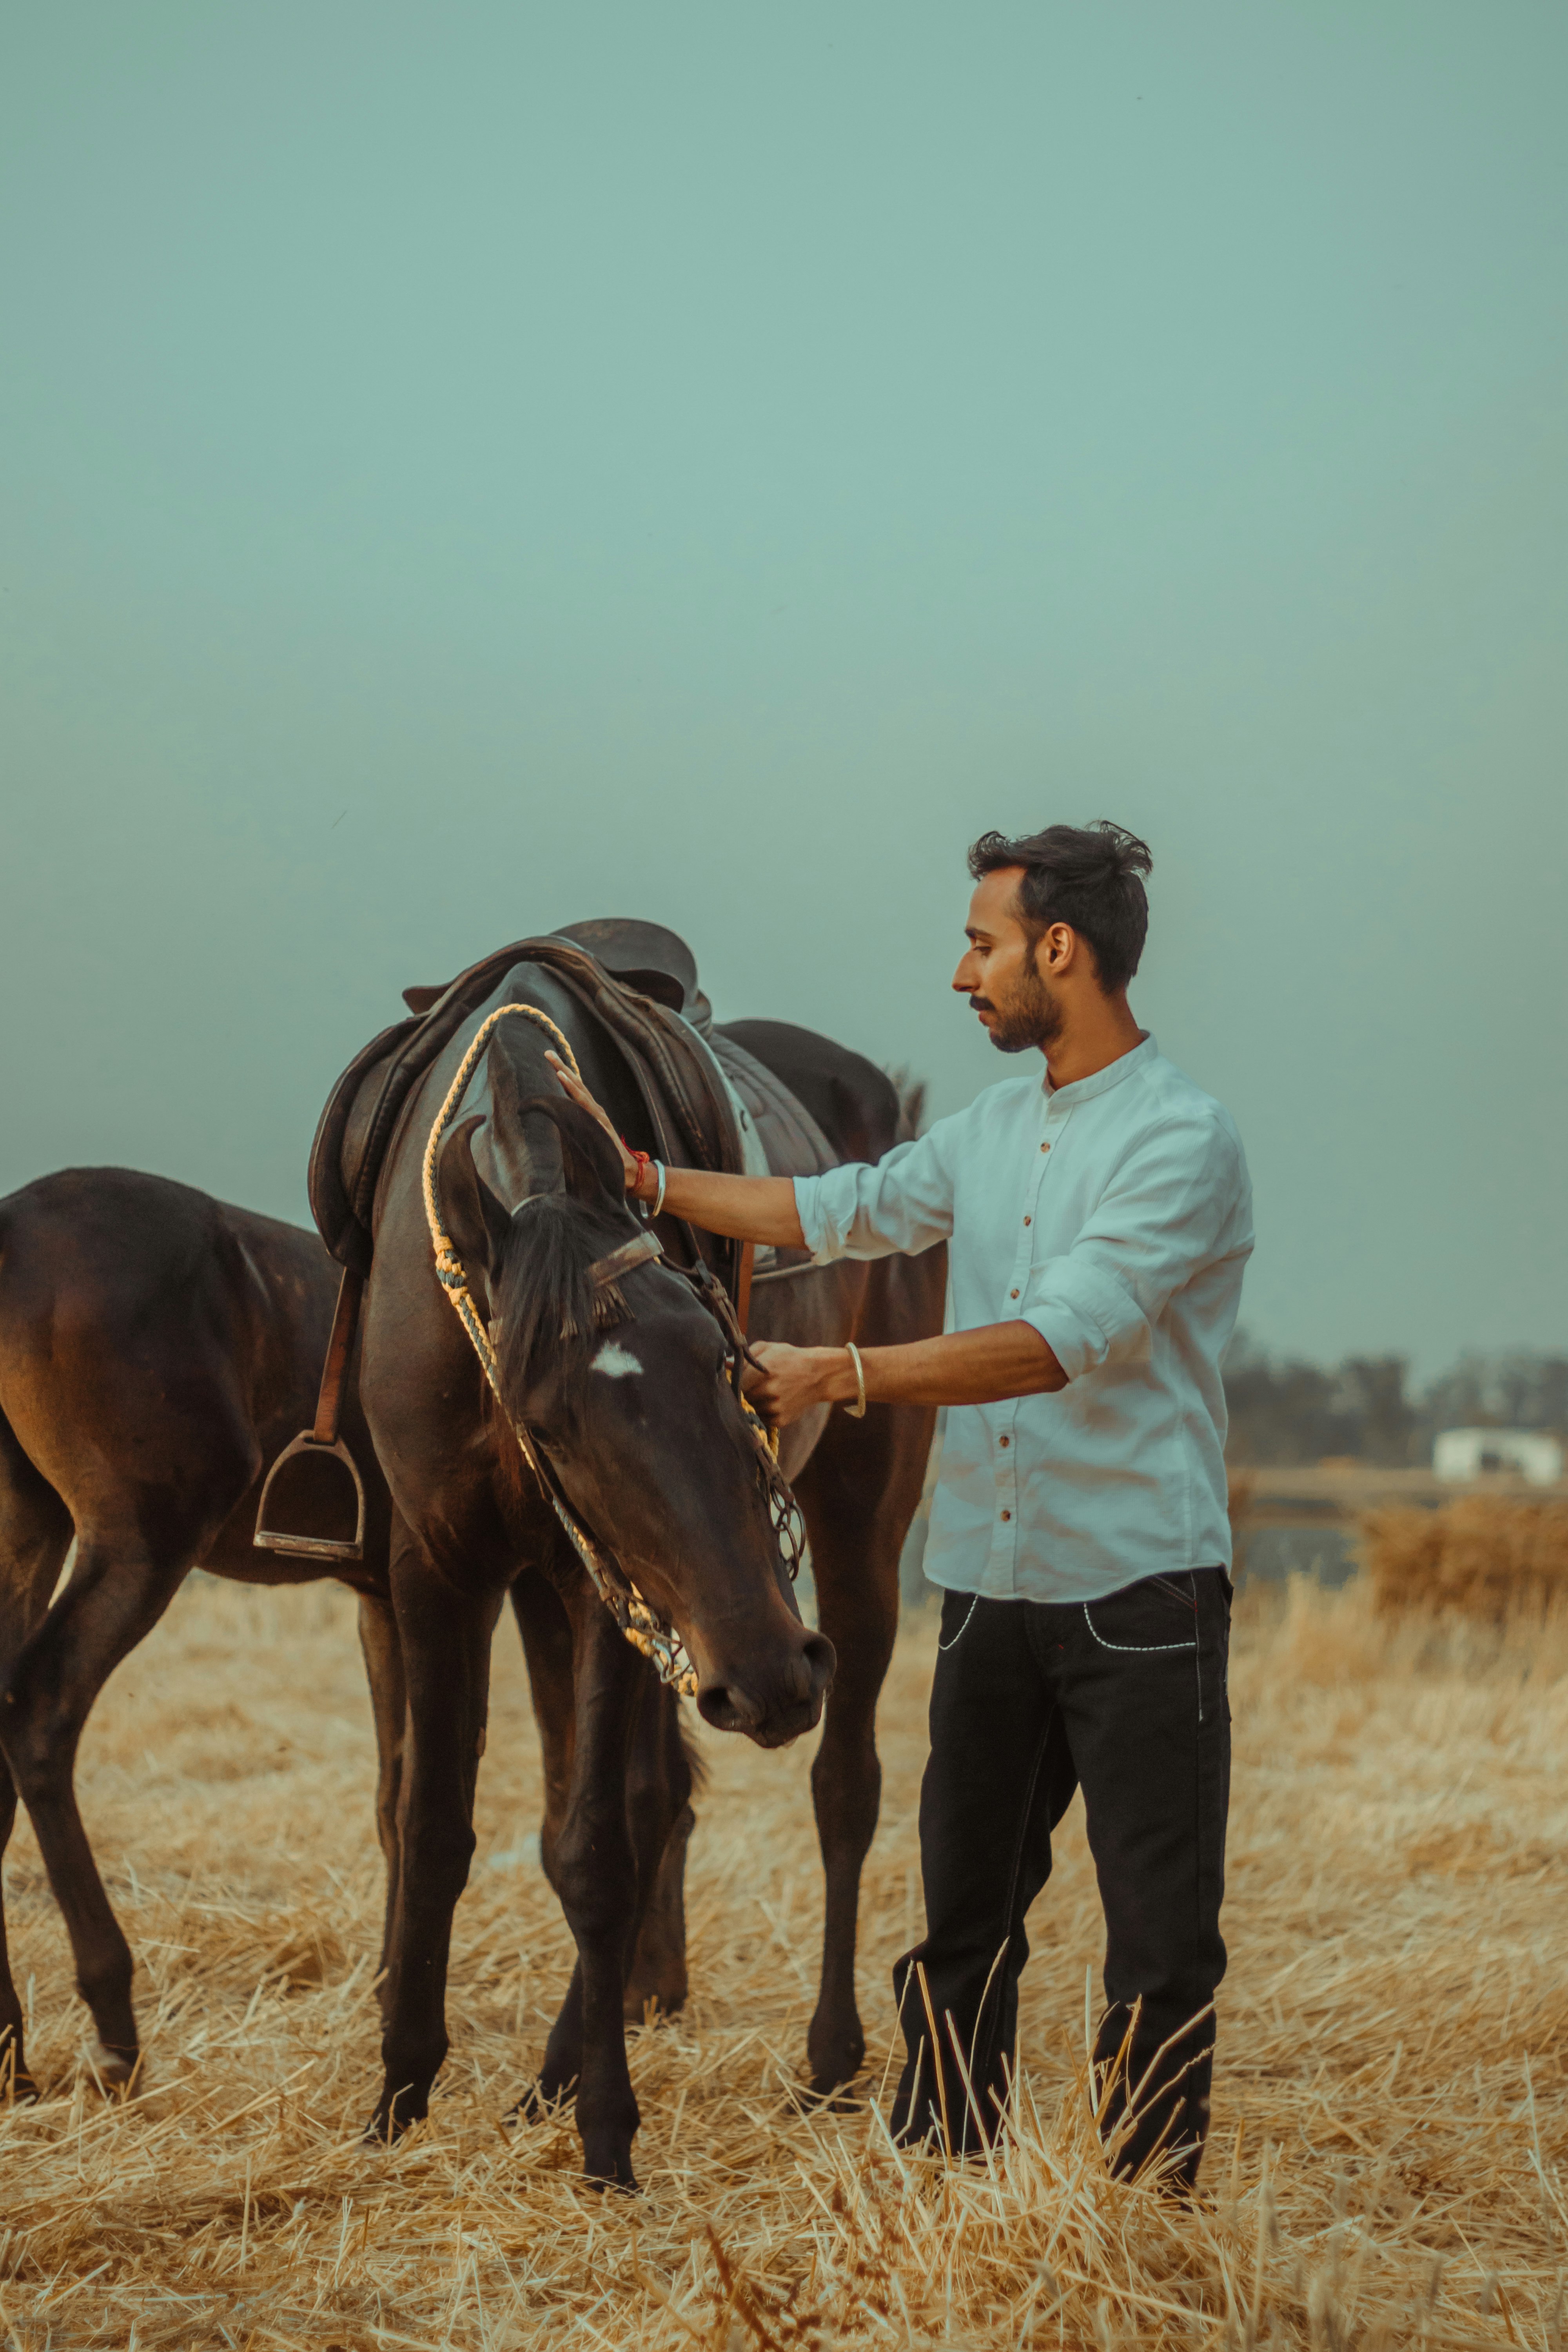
{"points": [[1056, 949], [477, 1222]]}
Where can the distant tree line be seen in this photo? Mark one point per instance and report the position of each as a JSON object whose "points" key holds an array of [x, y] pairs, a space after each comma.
{"points": [[1284, 1410]]}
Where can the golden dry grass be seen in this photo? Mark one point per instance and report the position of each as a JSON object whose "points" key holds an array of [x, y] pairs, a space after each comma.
{"points": [[1391, 2113], [1485, 1554]]}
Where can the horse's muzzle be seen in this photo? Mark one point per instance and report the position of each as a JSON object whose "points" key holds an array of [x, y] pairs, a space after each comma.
{"points": [[773, 1709]]}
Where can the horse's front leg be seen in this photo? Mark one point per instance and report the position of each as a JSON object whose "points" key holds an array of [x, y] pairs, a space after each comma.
{"points": [[595, 1876], [443, 1632]]}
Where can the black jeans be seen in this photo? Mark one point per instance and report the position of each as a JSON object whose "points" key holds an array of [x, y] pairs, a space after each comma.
{"points": [[1126, 1696]]}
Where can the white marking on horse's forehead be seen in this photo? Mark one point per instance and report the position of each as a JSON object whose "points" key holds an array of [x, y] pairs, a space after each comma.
{"points": [[614, 1361]]}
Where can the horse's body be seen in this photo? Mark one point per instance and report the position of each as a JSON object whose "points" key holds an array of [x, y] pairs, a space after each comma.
{"points": [[158, 1349], [472, 1525]]}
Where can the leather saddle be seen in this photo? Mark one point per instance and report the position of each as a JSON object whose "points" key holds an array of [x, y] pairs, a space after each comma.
{"points": [[636, 979], [641, 956]]}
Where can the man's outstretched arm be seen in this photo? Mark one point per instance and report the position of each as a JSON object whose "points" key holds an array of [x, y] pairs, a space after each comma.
{"points": [[743, 1208], [982, 1367]]}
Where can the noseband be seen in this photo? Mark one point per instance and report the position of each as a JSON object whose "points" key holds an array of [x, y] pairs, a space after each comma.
{"points": [[641, 1625]]}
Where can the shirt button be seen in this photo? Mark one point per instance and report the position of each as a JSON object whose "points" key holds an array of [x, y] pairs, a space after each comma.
{"points": [[1007, 1515], [1012, 1294], [1004, 1441], [1028, 1221], [1045, 1147]]}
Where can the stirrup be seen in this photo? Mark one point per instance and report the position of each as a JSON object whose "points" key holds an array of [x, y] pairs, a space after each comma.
{"points": [[281, 1538]]}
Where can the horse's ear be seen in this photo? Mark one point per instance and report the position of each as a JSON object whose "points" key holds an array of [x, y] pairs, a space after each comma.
{"points": [[590, 1166], [594, 1166], [477, 1222]]}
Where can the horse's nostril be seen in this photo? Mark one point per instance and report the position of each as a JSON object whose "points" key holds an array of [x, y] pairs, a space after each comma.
{"points": [[822, 1662], [792, 1694], [727, 1707]]}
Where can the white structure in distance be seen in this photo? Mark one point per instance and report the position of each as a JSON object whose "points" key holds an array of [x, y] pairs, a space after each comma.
{"points": [[1464, 1453]]}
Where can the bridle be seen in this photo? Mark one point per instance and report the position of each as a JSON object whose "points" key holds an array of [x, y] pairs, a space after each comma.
{"points": [[641, 1625]]}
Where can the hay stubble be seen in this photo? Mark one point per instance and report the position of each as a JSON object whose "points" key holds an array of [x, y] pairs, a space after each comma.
{"points": [[1391, 2116]]}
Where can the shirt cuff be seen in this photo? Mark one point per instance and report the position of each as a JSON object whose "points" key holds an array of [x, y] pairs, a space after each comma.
{"points": [[815, 1229], [1081, 1315]]}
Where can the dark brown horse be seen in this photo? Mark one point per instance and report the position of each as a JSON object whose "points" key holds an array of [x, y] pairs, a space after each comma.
{"points": [[645, 1442], [157, 1350]]}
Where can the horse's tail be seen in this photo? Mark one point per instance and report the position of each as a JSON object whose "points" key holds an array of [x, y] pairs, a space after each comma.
{"points": [[5, 1221], [36, 1528], [913, 1094]]}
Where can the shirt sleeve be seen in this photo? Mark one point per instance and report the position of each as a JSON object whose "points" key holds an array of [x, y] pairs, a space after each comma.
{"points": [[902, 1203], [1175, 1205]]}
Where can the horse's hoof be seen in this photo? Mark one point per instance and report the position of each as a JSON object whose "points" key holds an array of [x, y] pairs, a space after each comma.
{"points": [[536, 2105], [384, 2131], [653, 2006], [825, 2097], [116, 2070], [833, 2061], [616, 2178]]}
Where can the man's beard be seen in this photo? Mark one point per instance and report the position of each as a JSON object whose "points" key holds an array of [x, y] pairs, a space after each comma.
{"points": [[1032, 1017]]}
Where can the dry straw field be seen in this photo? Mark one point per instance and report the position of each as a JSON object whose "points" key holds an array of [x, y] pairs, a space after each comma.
{"points": [[1388, 2165]]}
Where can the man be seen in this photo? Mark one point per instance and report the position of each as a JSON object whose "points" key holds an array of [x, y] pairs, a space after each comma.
{"points": [[1099, 1219]]}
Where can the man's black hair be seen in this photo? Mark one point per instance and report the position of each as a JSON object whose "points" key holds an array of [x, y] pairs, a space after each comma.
{"points": [[1086, 876]]}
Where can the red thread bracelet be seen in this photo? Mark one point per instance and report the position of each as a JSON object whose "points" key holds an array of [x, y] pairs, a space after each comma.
{"points": [[643, 1160]]}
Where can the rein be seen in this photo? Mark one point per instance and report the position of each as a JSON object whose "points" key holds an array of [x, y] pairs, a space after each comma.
{"points": [[640, 1625]]}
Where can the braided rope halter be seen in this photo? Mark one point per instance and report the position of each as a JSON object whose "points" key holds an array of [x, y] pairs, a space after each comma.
{"points": [[640, 1625]]}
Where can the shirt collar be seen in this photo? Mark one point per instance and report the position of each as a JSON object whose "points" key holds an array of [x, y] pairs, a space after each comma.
{"points": [[1066, 1098]]}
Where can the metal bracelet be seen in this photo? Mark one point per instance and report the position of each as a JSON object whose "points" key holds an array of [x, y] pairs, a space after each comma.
{"points": [[663, 1178], [857, 1410]]}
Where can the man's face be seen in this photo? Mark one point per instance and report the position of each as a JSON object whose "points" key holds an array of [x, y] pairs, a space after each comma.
{"points": [[1000, 974]]}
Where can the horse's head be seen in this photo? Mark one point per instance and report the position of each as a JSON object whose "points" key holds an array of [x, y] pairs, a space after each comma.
{"points": [[622, 1388]]}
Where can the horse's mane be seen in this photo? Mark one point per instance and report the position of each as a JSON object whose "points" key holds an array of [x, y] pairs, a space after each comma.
{"points": [[542, 1293]]}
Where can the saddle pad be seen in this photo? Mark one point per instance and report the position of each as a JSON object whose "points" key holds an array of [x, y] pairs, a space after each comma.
{"points": [[781, 1135], [791, 1143]]}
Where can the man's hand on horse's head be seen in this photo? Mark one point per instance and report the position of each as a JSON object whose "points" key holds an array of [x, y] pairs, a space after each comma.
{"points": [[573, 1087]]}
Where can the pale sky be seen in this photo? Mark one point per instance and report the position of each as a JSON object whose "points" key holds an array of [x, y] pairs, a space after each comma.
{"points": [[464, 469]]}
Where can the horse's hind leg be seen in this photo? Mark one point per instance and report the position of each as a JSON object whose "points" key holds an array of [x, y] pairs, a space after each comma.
{"points": [[546, 1633], [659, 1802], [659, 1818], [858, 1492], [382, 1653], [116, 1595], [35, 1536]]}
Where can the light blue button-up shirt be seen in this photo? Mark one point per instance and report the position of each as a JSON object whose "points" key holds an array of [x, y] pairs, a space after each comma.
{"points": [[1115, 1215]]}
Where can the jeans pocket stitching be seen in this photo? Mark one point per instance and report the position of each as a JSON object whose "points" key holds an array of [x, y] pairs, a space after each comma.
{"points": [[1131, 1649]]}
